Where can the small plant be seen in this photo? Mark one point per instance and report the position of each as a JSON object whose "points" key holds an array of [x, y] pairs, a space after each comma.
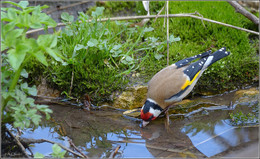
{"points": [[101, 55], [57, 153], [240, 119], [17, 51]]}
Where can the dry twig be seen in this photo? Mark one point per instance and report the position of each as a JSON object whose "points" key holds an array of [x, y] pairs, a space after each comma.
{"points": [[197, 13], [71, 82], [244, 12], [73, 145], [87, 102], [18, 143], [191, 15], [29, 141], [167, 15], [159, 13], [113, 154]]}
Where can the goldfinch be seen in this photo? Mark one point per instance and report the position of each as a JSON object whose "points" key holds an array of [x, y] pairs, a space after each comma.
{"points": [[173, 83]]}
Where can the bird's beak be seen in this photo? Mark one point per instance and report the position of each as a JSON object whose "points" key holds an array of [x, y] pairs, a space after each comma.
{"points": [[145, 123]]}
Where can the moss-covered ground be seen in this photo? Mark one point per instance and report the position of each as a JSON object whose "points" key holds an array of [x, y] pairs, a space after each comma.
{"points": [[142, 51], [237, 69]]}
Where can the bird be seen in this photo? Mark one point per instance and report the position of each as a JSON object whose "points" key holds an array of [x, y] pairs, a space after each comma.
{"points": [[174, 82]]}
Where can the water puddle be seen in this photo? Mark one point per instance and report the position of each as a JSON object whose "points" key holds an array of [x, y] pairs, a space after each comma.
{"points": [[200, 132]]}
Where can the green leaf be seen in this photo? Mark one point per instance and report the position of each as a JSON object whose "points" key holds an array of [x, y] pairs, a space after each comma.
{"points": [[56, 148], [129, 59], [3, 46], [11, 13], [38, 155], [16, 56], [23, 4], [27, 123], [30, 90], [18, 124], [148, 29], [8, 27], [39, 55], [12, 36], [36, 119], [173, 39], [32, 44], [49, 22], [66, 17], [98, 12], [13, 3], [44, 6], [24, 73], [57, 151], [25, 20], [54, 54], [47, 116], [49, 40], [4, 17], [158, 56], [78, 47], [35, 25], [92, 42], [116, 47], [29, 10]]}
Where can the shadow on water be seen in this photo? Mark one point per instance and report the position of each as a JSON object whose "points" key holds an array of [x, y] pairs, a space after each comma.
{"points": [[204, 131]]}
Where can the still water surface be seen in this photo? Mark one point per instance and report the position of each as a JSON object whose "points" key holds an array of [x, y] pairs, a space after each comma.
{"points": [[204, 133]]}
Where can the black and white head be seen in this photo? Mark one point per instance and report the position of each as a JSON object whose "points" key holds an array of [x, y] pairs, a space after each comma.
{"points": [[150, 111]]}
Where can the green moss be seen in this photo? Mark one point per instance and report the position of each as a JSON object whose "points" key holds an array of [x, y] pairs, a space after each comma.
{"points": [[98, 72], [114, 8], [229, 73]]}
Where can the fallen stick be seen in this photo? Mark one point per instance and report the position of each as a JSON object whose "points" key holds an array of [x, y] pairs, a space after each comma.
{"points": [[71, 83], [30, 141], [159, 13], [167, 31], [191, 15], [244, 12], [18, 143], [113, 154], [73, 145]]}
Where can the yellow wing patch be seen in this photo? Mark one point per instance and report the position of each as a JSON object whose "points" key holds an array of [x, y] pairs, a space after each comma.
{"points": [[188, 82]]}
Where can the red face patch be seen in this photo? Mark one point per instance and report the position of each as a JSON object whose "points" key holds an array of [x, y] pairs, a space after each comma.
{"points": [[147, 116]]}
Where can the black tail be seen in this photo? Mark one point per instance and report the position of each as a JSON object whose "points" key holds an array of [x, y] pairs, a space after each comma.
{"points": [[219, 54]]}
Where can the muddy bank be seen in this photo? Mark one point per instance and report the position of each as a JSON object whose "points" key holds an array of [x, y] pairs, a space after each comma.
{"points": [[203, 129]]}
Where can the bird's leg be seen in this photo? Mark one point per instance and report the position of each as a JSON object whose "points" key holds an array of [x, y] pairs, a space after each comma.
{"points": [[167, 121]]}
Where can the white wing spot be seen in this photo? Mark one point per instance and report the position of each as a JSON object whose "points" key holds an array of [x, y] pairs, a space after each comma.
{"points": [[187, 70], [200, 64], [205, 59], [180, 64], [226, 52], [187, 61], [192, 66], [195, 55]]}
